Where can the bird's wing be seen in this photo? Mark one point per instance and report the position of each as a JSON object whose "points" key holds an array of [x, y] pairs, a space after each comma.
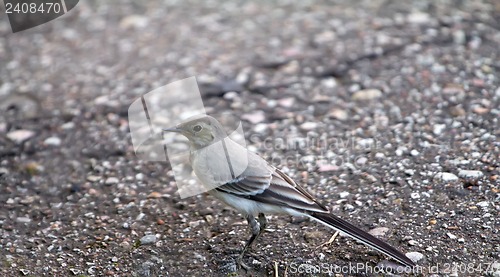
{"points": [[263, 183]]}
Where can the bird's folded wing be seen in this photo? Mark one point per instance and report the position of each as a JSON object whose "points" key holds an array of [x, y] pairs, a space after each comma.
{"points": [[269, 185], [254, 180]]}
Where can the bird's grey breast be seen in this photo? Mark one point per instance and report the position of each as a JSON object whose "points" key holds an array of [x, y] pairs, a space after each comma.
{"points": [[220, 163]]}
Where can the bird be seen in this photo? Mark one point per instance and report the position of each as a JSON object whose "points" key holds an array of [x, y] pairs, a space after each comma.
{"points": [[255, 188]]}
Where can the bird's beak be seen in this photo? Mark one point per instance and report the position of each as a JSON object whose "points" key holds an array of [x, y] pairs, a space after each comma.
{"points": [[173, 130]]}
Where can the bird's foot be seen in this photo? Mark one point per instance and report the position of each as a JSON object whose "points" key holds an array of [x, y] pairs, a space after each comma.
{"points": [[241, 264]]}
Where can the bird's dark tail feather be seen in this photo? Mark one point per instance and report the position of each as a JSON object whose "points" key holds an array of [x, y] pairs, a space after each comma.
{"points": [[360, 235]]}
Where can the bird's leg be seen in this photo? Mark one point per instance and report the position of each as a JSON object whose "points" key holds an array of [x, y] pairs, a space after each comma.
{"points": [[262, 223], [255, 228]]}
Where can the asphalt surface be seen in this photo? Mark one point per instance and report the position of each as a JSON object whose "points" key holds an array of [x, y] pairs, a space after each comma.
{"points": [[386, 111]]}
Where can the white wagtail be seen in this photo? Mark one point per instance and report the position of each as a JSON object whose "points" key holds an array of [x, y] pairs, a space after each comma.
{"points": [[261, 188]]}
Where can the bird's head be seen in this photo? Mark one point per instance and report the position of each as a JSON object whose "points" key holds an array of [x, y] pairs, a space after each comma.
{"points": [[201, 131]]}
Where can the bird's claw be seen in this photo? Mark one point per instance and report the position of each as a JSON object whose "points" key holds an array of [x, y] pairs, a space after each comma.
{"points": [[241, 264]]}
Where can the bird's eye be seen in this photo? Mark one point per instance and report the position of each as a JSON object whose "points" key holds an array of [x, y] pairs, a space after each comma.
{"points": [[197, 128]]}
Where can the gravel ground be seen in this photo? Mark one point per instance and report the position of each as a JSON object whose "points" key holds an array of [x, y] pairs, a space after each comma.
{"points": [[387, 111]]}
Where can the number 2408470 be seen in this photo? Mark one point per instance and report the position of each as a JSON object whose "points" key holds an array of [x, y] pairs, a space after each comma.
{"points": [[33, 8]]}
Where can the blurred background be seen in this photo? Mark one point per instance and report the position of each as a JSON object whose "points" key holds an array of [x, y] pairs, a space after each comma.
{"points": [[387, 111]]}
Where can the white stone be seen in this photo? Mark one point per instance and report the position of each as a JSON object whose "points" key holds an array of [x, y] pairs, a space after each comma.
{"points": [[367, 94], [134, 21], [470, 174], [148, 239], [308, 126], [379, 231], [343, 194], [139, 176], [418, 18], [259, 128], [112, 181], [410, 172], [438, 129], [483, 204], [415, 256], [446, 176], [287, 102], [53, 141], [23, 219], [255, 117], [20, 136]]}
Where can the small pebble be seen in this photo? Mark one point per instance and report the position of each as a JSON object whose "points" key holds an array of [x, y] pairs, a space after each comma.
{"points": [[52, 141], [68, 126], [446, 176], [367, 143], [308, 126], [361, 160], [271, 103], [338, 114], [412, 242], [418, 18], [93, 178], [348, 207], [139, 176], [321, 256], [409, 172], [134, 21], [366, 94], [112, 181], [459, 36], [329, 83], [255, 117], [438, 129], [154, 194], [20, 136], [415, 256], [327, 167], [343, 194], [473, 174], [140, 216], [379, 231], [23, 219], [286, 102], [259, 128], [3, 171], [209, 219], [483, 204], [148, 239], [230, 95]]}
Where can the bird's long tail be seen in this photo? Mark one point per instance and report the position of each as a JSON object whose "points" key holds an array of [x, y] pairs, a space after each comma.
{"points": [[341, 225]]}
